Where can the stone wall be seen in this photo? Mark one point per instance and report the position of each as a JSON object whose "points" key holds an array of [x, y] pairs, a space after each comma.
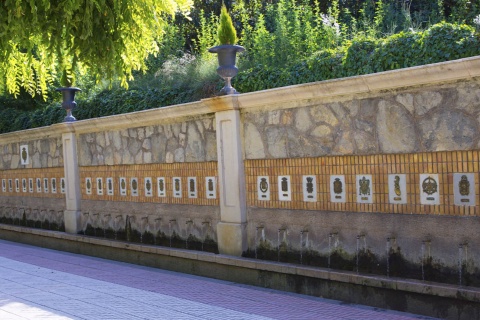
{"points": [[427, 119], [44, 153], [188, 141]]}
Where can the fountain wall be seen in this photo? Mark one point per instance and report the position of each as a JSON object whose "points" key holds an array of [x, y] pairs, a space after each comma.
{"points": [[374, 174]]}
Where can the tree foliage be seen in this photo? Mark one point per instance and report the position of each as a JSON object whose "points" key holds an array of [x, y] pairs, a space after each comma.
{"points": [[226, 31], [109, 38]]}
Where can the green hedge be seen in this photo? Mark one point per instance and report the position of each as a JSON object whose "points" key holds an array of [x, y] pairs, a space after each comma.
{"points": [[362, 55]]}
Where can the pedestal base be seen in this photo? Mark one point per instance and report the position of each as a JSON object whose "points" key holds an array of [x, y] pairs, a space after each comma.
{"points": [[72, 221], [232, 238]]}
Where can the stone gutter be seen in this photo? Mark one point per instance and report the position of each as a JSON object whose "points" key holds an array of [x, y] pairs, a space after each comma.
{"points": [[280, 276]]}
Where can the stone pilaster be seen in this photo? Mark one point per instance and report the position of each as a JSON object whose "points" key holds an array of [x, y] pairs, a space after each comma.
{"points": [[72, 181], [231, 231]]}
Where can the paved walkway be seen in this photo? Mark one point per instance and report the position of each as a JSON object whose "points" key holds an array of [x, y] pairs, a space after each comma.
{"points": [[37, 283]]}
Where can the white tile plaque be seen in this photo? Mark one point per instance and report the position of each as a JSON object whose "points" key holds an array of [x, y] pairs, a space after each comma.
{"points": [[161, 187], [62, 185], [364, 188], [100, 186], [88, 185], [4, 185], [110, 188], [148, 187], [123, 186], [39, 185], [134, 187], [10, 185], [309, 186], [397, 188], [24, 158], [263, 188], [284, 188], [429, 189], [17, 185], [192, 187], [211, 187], [30, 185], [45, 185], [337, 188], [24, 185], [53, 183], [177, 187], [464, 189]]}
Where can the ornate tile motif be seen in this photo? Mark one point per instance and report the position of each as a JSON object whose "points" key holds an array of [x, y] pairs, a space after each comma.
{"points": [[364, 187], [284, 188], [211, 187], [192, 187], [148, 187], [110, 186], [161, 187], [263, 188], [88, 185], [464, 189], [177, 187], [429, 189], [309, 186], [123, 186], [397, 188], [24, 156], [99, 186], [134, 187], [337, 189]]}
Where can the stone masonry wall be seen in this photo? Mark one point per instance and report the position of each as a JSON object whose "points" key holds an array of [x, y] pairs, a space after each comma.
{"points": [[44, 153], [188, 141], [428, 119]]}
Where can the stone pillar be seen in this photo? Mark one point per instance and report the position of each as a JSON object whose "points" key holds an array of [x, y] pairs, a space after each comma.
{"points": [[72, 183], [231, 230]]}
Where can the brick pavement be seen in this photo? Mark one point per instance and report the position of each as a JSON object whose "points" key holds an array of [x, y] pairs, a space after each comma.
{"points": [[37, 283]]}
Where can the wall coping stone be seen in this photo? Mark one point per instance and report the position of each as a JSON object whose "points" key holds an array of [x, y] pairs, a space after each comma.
{"points": [[436, 73], [399, 284]]}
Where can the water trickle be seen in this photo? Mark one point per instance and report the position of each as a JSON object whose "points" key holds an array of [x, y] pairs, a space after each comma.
{"points": [[422, 257], [357, 252], [156, 229], [460, 263], [116, 225], [95, 223], [388, 257], [329, 249], [105, 216], [256, 239], [279, 242], [189, 223], [205, 232], [170, 230], [85, 224]]}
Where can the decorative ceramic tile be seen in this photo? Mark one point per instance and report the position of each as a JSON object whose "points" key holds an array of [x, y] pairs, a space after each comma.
{"points": [[10, 185], [397, 188], [429, 189], [53, 183], [24, 185], [177, 187], [123, 186], [39, 185], [24, 158], [263, 188], [192, 187], [337, 188], [110, 188], [309, 186], [211, 187], [45, 185], [4, 185], [364, 188], [148, 187], [100, 186], [17, 185], [284, 188], [88, 185], [161, 188], [134, 187], [464, 189], [62, 185], [30, 185]]}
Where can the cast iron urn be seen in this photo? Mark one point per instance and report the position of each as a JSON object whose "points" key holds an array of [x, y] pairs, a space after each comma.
{"points": [[227, 55], [68, 102]]}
